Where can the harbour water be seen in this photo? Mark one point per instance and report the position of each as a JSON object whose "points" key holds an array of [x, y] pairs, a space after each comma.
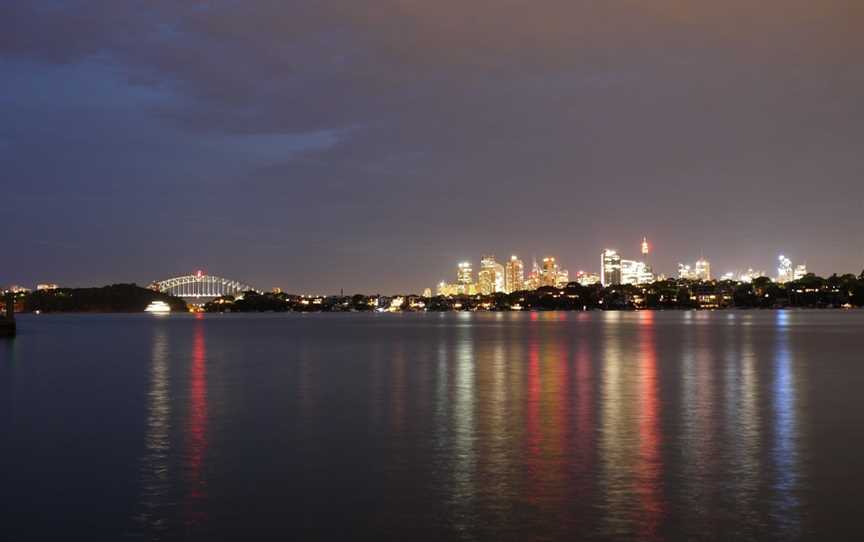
{"points": [[730, 425]]}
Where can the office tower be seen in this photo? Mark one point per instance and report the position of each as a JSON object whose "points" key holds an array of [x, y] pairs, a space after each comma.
{"points": [[514, 275], [784, 270], [800, 272], [702, 269], [464, 273], [491, 276], [562, 278], [549, 272], [447, 289], [750, 274], [610, 267], [635, 272], [533, 281], [587, 279]]}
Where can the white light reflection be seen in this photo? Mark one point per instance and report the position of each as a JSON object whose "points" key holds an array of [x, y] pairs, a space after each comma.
{"points": [[743, 426], [617, 441], [155, 478], [463, 428], [784, 453]]}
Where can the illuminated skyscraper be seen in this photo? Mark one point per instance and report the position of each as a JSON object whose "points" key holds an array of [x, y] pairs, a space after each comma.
{"points": [[784, 270], [800, 271], [644, 247], [610, 267], [464, 282], [702, 269], [587, 279], [464, 274], [750, 275], [533, 281], [514, 275], [562, 278], [486, 275], [446, 289], [491, 276], [549, 272], [634, 272]]}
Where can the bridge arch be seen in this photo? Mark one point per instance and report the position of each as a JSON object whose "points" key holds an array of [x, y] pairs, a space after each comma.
{"points": [[201, 286]]}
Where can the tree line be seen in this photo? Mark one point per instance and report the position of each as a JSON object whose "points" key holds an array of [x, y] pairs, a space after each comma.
{"points": [[111, 298], [810, 291]]}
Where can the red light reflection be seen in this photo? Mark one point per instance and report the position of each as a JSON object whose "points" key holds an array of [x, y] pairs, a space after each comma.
{"points": [[196, 427], [649, 466]]}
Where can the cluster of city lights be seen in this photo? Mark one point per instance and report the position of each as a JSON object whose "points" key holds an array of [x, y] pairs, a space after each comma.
{"points": [[510, 276]]}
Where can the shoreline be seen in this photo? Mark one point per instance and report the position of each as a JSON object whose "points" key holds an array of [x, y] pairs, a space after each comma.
{"points": [[337, 312]]}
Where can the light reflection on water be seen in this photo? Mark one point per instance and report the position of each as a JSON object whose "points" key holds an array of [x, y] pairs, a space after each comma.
{"points": [[462, 428], [196, 432], [784, 452], [641, 426], [650, 465], [155, 469]]}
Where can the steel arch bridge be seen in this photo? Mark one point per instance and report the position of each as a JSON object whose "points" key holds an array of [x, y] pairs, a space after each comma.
{"points": [[201, 286]]}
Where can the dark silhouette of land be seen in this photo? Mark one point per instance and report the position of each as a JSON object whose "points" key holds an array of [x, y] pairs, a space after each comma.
{"points": [[7, 323], [113, 298], [811, 291]]}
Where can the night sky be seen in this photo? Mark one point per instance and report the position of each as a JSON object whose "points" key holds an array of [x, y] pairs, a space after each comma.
{"points": [[371, 145]]}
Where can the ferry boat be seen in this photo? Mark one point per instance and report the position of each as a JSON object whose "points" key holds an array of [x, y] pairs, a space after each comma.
{"points": [[158, 307]]}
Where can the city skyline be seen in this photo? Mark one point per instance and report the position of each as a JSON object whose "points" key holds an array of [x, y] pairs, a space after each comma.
{"points": [[639, 272], [613, 270], [357, 146]]}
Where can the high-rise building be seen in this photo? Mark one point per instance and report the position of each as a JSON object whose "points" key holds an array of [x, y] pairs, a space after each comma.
{"points": [[587, 279], [800, 271], [464, 273], [464, 282], [700, 271], [514, 275], [750, 275], [610, 267], [562, 278], [549, 272], [447, 289], [486, 275], [635, 272], [490, 278], [533, 281], [644, 247], [784, 270]]}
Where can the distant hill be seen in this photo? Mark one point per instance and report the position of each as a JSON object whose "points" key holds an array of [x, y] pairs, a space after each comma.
{"points": [[113, 298]]}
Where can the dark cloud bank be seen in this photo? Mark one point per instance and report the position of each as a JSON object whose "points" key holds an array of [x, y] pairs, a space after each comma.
{"points": [[371, 145]]}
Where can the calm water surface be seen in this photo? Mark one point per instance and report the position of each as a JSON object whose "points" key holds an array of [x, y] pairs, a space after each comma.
{"points": [[648, 426]]}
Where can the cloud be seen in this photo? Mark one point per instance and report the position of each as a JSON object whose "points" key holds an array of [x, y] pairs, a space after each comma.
{"points": [[557, 115]]}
